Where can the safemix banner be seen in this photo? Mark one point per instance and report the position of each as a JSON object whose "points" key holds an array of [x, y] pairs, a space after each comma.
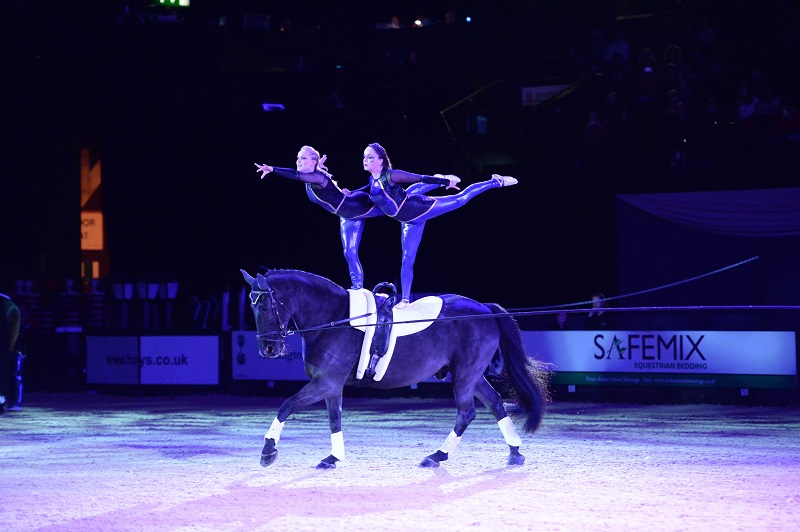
{"points": [[752, 359]]}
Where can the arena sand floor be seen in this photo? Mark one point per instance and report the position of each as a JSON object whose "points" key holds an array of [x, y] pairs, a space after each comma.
{"points": [[81, 461]]}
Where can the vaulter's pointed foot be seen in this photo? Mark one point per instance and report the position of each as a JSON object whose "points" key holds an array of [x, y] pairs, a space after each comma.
{"points": [[504, 180], [402, 304]]}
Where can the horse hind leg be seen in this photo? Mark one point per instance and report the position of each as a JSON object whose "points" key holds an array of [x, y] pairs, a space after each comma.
{"points": [[492, 400], [466, 413]]}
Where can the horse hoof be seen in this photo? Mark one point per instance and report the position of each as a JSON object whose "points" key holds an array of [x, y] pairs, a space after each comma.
{"points": [[432, 460], [269, 453], [427, 462], [267, 459], [516, 460], [328, 463]]}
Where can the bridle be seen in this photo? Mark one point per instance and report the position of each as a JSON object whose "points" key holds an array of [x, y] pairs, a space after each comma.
{"points": [[282, 331]]}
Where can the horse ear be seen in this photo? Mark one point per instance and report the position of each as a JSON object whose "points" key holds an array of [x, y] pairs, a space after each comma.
{"points": [[247, 277], [261, 281]]}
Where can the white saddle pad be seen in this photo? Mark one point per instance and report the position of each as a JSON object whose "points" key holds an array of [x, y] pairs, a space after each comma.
{"points": [[362, 303]]}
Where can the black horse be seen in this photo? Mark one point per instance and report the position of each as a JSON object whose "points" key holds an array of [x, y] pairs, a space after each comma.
{"points": [[463, 338]]}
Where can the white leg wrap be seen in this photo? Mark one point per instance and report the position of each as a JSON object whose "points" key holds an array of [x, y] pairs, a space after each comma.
{"points": [[509, 432], [450, 443], [337, 445], [274, 431]]}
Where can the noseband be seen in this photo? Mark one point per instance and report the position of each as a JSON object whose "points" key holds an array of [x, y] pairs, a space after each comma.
{"points": [[282, 331]]}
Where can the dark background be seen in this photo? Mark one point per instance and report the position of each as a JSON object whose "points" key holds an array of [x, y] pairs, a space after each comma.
{"points": [[170, 101]]}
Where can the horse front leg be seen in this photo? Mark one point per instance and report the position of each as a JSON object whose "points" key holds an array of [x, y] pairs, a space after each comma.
{"points": [[494, 402], [465, 403], [269, 453], [308, 395], [334, 405]]}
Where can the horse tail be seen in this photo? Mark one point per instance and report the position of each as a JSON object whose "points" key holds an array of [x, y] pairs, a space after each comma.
{"points": [[526, 377]]}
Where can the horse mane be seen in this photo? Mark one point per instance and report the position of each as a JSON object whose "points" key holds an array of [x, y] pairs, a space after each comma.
{"points": [[303, 276]]}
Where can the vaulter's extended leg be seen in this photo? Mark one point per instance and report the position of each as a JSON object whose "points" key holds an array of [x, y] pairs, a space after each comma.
{"points": [[350, 232], [446, 204], [410, 237]]}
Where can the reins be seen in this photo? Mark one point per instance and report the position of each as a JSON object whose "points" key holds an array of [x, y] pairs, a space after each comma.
{"points": [[282, 331], [331, 325]]}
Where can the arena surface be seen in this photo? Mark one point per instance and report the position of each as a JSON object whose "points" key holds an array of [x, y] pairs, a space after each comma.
{"points": [[99, 462]]}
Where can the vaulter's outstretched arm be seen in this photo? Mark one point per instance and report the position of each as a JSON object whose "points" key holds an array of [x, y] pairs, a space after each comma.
{"points": [[290, 173]]}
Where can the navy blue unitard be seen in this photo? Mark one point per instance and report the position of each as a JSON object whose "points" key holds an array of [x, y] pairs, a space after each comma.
{"points": [[351, 209], [413, 210], [331, 198]]}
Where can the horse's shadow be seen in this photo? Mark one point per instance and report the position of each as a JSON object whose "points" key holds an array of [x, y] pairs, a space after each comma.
{"points": [[314, 495]]}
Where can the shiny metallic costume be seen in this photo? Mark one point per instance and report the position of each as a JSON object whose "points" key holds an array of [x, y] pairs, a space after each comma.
{"points": [[413, 210], [352, 209]]}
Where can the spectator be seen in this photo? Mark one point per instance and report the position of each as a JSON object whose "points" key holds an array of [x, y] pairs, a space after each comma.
{"points": [[595, 51], [598, 319], [769, 105], [746, 104], [646, 59], [562, 322], [574, 63], [595, 141], [708, 138], [619, 74], [618, 45], [786, 125]]}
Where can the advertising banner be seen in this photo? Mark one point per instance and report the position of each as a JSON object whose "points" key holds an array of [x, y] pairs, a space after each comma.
{"points": [[247, 364], [752, 359], [112, 359], [179, 359]]}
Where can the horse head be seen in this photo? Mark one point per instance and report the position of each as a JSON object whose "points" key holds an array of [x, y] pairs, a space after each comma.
{"points": [[271, 317]]}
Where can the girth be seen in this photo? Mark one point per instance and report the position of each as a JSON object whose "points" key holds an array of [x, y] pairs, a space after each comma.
{"points": [[383, 328]]}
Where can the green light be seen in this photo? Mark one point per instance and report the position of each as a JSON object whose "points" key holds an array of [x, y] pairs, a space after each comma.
{"points": [[174, 3]]}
